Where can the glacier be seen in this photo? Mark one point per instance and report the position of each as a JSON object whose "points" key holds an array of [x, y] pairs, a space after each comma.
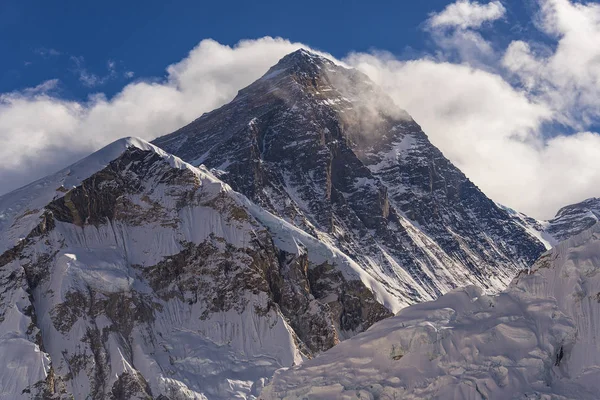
{"points": [[538, 339]]}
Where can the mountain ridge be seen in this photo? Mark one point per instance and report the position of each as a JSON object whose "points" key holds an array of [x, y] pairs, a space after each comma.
{"points": [[569, 221], [322, 147]]}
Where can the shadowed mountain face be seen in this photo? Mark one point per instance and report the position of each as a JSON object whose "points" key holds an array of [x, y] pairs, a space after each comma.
{"points": [[569, 221], [573, 219], [324, 148]]}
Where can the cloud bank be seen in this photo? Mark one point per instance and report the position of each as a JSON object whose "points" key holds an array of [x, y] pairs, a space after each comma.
{"points": [[488, 110], [41, 133]]}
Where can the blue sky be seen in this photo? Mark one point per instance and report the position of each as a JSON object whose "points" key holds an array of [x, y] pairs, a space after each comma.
{"points": [[44, 41], [508, 90]]}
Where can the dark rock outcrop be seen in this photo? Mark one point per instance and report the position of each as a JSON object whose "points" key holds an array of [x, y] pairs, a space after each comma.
{"points": [[323, 147]]}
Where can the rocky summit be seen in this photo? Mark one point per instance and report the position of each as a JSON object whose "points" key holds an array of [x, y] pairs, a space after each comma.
{"points": [[321, 146], [258, 236]]}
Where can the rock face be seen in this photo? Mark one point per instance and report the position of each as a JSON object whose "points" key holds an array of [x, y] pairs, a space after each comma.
{"points": [[153, 278], [323, 148], [569, 221], [538, 339], [573, 219]]}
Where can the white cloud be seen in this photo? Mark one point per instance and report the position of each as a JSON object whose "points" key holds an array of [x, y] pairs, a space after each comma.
{"points": [[569, 78], [40, 133], [494, 131], [454, 31], [88, 78], [466, 14], [43, 88], [490, 128], [92, 80], [485, 126]]}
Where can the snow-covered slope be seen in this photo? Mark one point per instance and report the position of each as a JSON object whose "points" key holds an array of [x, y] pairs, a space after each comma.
{"points": [[538, 339], [20, 210], [322, 147], [534, 227], [147, 277]]}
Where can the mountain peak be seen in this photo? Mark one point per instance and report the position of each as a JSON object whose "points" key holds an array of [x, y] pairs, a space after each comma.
{"points": [[303, 57], [300, 60], [586, 205], [323, 146], [21, 208]]}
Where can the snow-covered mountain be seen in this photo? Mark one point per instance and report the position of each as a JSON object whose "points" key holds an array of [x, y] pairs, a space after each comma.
{"points": [[537, 340], [144, 277], [134, 274], [573, 219], [324, 148], [568, 221]]}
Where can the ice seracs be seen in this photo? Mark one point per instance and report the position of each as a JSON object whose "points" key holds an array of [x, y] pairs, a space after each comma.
{"points": [[538, 339]]}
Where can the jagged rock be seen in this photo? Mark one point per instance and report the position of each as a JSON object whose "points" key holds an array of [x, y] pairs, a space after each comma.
{"points": [[569, 221], [574, 219], [324, 148]]}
